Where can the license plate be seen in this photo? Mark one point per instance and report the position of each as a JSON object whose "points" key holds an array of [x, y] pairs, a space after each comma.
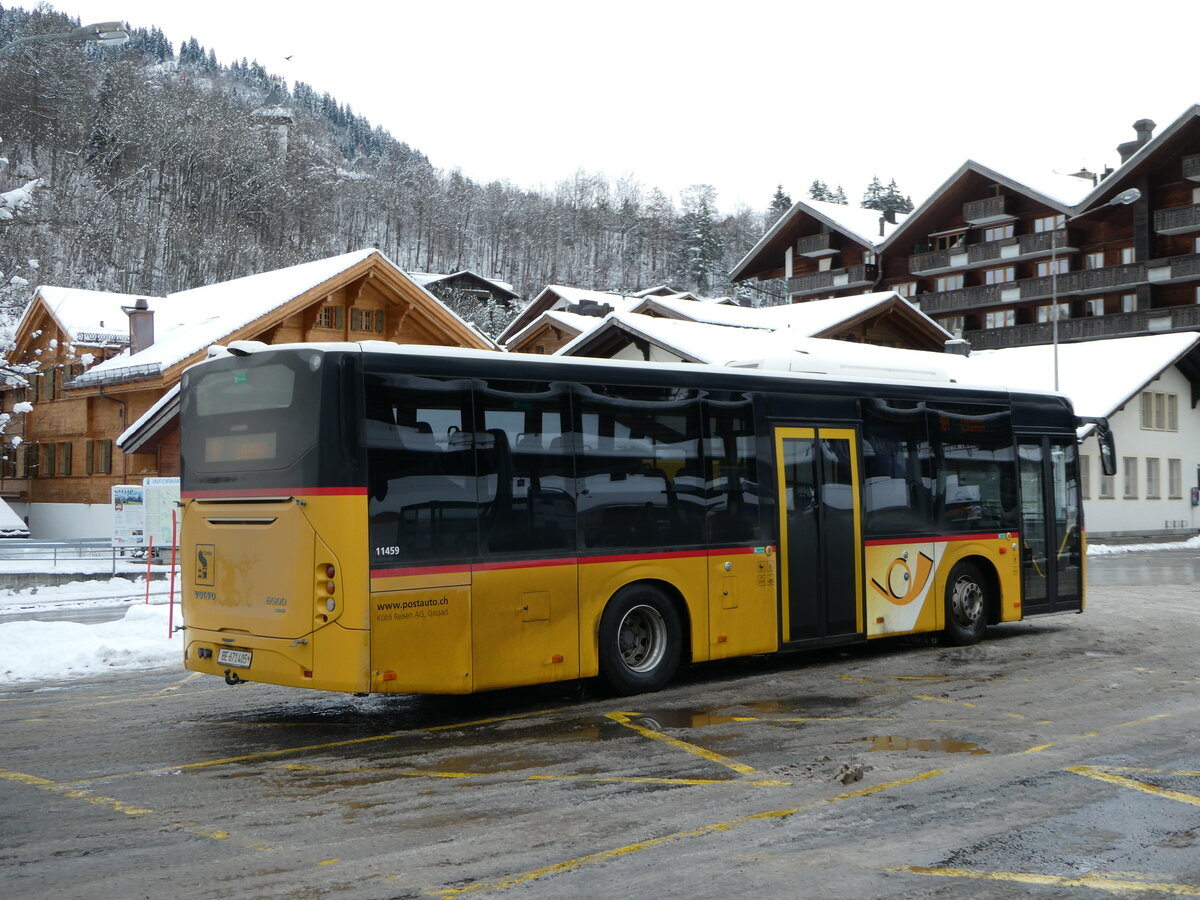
{"points": [[239, 658]]}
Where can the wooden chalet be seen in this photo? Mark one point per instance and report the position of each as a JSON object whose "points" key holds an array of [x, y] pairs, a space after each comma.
{"points": [[106, 360]]}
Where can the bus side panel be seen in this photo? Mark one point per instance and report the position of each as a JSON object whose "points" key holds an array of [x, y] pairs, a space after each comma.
{"points": [[906, 580], [525, 624], [421, 640], [743, 608], [600, 578]]}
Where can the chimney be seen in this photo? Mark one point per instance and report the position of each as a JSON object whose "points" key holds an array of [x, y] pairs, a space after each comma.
{"points": [[1144, 129], [141, 325], [958, 347]]}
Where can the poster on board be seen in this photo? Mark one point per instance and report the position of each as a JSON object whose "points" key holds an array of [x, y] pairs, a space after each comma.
{"points": [[161, 499], [129, 515]]}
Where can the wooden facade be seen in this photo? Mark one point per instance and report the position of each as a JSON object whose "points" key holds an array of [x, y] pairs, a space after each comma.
{"points": [[68, 452], [989, 257]]}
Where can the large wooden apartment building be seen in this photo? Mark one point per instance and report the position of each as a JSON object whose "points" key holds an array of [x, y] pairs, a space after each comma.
{"points": [[989, 256]]}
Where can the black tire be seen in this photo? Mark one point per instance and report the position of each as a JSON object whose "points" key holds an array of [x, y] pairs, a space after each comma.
{"points": [[968, 599], [641, 640]]}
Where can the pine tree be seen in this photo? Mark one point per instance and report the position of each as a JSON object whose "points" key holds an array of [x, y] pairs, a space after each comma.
{"points": [[839, 197], [888, 199], [780, 204], [818, 190]]}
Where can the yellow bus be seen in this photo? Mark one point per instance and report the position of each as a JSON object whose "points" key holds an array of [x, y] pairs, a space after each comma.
{"points": [[372, 518]]}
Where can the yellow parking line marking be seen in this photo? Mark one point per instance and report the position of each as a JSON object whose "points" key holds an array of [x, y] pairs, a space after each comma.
{"points": [[623, 718], [1143, 721], [120, 806], [604, 855], [329, 745], [46, 785], [590, 779], [859, 680], [1039, 748], [1186, 772], [1091, 880], [177, 685], [328, 862], [943, 700], [1100, 774]]}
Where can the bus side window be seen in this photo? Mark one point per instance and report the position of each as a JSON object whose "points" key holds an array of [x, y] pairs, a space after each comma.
{"points": [[730, 468], [898, 487], [973, 444], [527, 483]]}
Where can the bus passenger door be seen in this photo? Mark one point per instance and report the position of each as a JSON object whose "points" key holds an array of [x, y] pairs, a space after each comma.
{"points": [[820, 546], [1051, 542]]}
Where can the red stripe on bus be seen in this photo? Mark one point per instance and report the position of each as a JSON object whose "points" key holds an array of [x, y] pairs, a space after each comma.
{"points": [[277, 492], [942, 539], [560, 561]]}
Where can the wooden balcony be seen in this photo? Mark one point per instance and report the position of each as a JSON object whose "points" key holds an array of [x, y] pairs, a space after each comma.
{"points": [[1148, 321], [849, 278], [991, 209], [1191, 167], [814, 245], [1024, 246], [1177, 219], [932, 262], [963, 298]]}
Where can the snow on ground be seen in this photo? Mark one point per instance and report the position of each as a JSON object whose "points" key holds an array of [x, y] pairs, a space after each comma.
{"points": [[51, 651], [54, 650], [1114, 549]]}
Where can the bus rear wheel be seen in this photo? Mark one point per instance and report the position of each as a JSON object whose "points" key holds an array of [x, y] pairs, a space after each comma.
{"points": [[641, 640], [967, 602]]}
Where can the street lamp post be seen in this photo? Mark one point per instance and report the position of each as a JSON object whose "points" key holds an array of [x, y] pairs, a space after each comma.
{"points": [[103, 33], [1122, 199]]}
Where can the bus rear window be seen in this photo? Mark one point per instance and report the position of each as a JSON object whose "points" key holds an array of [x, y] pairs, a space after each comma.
{"points": [[245, 390]]}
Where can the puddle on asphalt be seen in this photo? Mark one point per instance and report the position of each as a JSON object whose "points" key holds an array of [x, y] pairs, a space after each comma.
{"points": [[935, 745], [708, 716]]}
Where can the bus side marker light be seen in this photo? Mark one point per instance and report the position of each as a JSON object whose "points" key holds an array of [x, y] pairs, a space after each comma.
{"points": [[389, 676], [330, 604], [1003, 550], [556, 658], [879, 620], [722, 638], [308, 673]]}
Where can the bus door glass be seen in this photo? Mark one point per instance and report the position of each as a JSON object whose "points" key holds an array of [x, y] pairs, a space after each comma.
{"points": [[819, 532], [1051, 543]]}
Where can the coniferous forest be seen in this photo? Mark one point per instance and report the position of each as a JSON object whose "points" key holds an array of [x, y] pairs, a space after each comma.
{"points": [[156, 169]]}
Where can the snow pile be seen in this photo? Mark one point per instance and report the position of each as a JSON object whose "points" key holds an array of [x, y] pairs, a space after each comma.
{"points": [[49, 651], [1192, 543]]}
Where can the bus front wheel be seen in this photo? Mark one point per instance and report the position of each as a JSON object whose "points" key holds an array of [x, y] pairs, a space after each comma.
{"points": [[641, 640], [967, 598]]}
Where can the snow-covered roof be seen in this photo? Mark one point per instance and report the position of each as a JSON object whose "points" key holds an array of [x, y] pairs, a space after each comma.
{"points": [[427, 278], [90, 317], [574, 322], [809, 318], [11, 525], [1099, 376], [188, 321]]}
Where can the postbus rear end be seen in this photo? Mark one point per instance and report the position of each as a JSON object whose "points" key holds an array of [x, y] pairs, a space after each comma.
{"points": [[274, 522]]}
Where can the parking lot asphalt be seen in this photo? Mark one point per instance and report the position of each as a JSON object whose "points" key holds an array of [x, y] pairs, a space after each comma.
{"points": [[1056, 758]]}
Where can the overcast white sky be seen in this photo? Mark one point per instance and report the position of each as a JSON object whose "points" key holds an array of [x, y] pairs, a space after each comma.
{"points": [[741, 95]]}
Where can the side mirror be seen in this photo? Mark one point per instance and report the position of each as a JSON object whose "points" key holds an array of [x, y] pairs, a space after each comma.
{"points": [[1104, 439]]}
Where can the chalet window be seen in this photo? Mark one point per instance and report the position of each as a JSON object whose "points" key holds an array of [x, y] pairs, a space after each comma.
{"points": [[47, 454], [1196, 245], [64, 458], [908, 289], [1053, 267], [1094, 260], [1160, 411], [45, 385], [104, 460], [1174, 478], [1131, 490], [1153, 490], [1127, 255], [31, 460], [1049, 223], [90, 453], [1046, 314], [949, 282], [540, 348], [825, 263], [1094, 307], [331, 317], [1003, 275], [953, 324], [868, 257], [8, 463], [1001, 318], [366, 320], [998, 232], [948, 241], [1129, 302]]}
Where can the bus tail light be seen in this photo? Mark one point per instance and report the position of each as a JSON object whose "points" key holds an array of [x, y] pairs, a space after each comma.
{"points": [[326, 586]]}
